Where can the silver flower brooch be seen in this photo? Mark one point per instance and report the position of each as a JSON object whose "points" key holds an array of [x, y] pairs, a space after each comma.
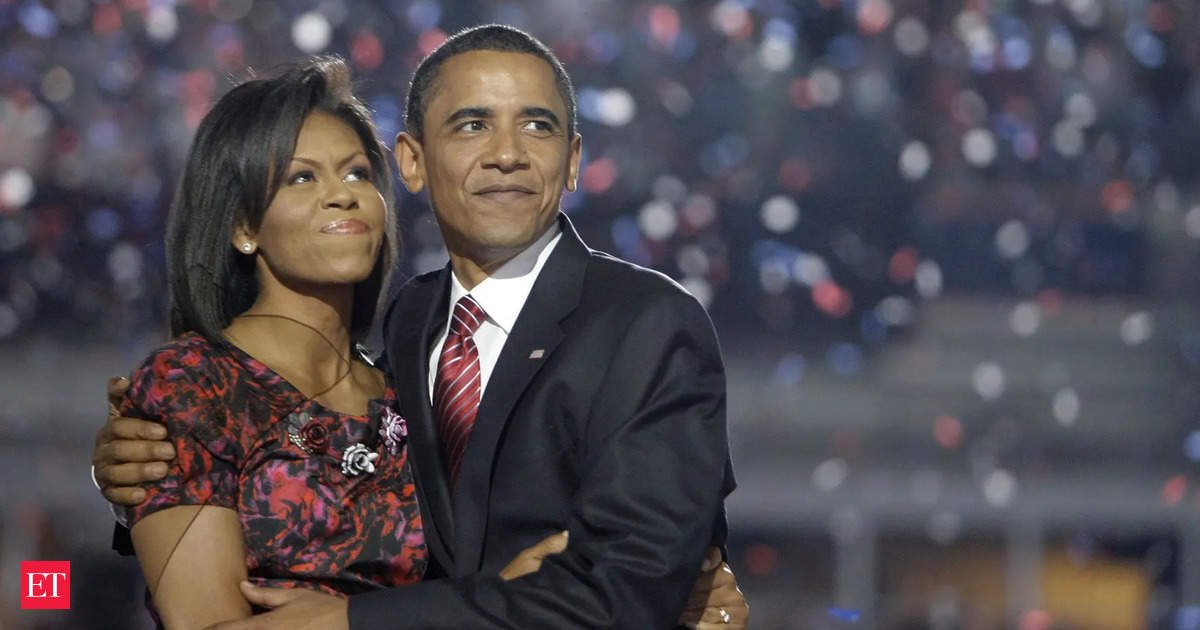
{"points": [[310, 436], [358, 459]]}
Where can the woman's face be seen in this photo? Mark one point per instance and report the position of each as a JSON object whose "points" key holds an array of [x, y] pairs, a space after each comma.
{"points": [[325, 225]]}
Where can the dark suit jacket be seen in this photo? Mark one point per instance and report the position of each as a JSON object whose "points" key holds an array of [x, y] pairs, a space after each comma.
{"points": [[616, 433]]}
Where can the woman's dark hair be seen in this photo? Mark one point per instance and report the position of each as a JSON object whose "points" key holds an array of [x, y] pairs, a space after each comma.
{"points": [[237, 162]]}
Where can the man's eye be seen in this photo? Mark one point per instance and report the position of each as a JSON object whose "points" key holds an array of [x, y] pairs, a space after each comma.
{"points": [[539, 125], [472, 125]]}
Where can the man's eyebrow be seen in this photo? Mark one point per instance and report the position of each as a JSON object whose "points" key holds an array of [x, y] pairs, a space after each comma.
{"points": [[541, 112], [469, 112]]}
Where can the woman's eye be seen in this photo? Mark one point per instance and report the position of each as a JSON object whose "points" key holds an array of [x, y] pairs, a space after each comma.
{"points": [[359, 174], [301, 177]]}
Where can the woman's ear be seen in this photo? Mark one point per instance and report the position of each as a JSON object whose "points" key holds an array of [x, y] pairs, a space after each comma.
{"points": [[242, 239]]}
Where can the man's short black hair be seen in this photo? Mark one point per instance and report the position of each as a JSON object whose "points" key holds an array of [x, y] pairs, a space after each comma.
{"points": [[496, 37], [237, 162]]}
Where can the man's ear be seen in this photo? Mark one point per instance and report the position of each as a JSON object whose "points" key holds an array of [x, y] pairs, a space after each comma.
{"points": [[410, 159], [573, 157]]}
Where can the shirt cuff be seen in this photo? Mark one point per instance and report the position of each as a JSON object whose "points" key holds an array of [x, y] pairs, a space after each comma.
{"points": [[119, 512]]}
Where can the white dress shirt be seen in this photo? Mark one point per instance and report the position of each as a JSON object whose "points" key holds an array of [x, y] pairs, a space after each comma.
{"points": [[502, 295]]}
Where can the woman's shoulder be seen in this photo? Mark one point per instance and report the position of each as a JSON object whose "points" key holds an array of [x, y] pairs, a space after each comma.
{"points": [[188, 360], [189, 351]]}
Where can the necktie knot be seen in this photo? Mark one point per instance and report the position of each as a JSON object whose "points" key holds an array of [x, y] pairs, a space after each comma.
{"points": [[467, 317]]}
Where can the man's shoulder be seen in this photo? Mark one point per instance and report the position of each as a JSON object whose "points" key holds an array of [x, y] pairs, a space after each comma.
{"points": [[617, 278], [419, 281], [617, 293], [412, 288]]}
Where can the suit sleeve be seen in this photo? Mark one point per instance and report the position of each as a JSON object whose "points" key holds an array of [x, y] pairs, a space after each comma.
{"points": [[655, 472]]}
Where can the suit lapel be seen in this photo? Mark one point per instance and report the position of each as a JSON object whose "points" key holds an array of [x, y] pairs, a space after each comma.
{"points": [[534, 337], [415, 322]]}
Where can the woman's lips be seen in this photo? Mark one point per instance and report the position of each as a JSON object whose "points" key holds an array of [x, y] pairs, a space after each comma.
{"points": [[346, 226]]}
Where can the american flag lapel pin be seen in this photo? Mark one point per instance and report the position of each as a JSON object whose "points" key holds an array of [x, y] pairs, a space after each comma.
{"points": [[537, 354]]}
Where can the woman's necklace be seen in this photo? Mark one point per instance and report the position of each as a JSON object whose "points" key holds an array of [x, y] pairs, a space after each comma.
{"points": [[309, 434], [344, 359]]}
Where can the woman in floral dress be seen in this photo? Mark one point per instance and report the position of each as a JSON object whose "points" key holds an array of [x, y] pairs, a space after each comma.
{"points": [[291, 465]]}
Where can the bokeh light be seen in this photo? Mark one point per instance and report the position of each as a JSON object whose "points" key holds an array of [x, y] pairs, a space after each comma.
{"points": [[311, 32]]}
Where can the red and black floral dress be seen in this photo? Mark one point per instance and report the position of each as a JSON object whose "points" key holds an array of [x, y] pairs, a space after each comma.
{"points": [[326, 499]]}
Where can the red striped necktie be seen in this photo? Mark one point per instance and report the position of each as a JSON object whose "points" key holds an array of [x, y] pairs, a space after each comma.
{"points": [[457, 389]]}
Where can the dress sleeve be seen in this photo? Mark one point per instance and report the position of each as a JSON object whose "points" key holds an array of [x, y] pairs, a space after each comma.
{"points": [[173, 387]]}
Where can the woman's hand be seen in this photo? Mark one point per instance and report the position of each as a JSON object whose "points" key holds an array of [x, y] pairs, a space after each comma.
{"points": [[716, 601], [530, 559]]}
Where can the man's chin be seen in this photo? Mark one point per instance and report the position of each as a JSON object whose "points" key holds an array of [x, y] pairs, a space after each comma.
{"points": [[493, 243]]}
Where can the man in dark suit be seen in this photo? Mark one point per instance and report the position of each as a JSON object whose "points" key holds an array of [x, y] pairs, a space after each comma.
{"points": [[546, 386]]}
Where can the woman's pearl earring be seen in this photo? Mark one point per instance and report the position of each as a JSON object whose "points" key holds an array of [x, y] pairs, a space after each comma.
{"points": [[247, 247]]}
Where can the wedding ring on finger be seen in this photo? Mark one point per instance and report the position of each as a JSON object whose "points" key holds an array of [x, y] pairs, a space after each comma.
{"points": [[725, 616]]}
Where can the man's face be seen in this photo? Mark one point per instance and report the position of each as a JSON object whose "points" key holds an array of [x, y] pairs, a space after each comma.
{"points": [[495, 155]]}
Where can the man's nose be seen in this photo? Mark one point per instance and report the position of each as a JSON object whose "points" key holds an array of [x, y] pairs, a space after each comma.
{"points": [[506, 151]]}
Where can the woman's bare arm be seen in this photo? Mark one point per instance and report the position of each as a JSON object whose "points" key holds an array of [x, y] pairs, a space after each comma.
{"points": [[193, 558]]}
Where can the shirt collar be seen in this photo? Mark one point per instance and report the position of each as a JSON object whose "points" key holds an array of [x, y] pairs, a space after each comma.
{"points": [[503, 293]]}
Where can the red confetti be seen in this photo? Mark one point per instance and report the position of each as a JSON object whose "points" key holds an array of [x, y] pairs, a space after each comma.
{"points": [[800, 93], [1161, 17], [664, 24], [366, 50], [106, 20], [761, 560], [431, 39], [1035, 620], [948, 432], [599, 175], [1174, 489], [832, 299], [903, 265], [795, 174], [1117, 196]]}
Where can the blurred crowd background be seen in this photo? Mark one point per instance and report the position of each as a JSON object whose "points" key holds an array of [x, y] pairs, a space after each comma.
{"points": [[950, 249]]}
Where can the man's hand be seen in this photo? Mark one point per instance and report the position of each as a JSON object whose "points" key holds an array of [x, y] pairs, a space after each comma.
{"points": [[291, 609], [716, 602], [530, 558], [129, 452]]}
